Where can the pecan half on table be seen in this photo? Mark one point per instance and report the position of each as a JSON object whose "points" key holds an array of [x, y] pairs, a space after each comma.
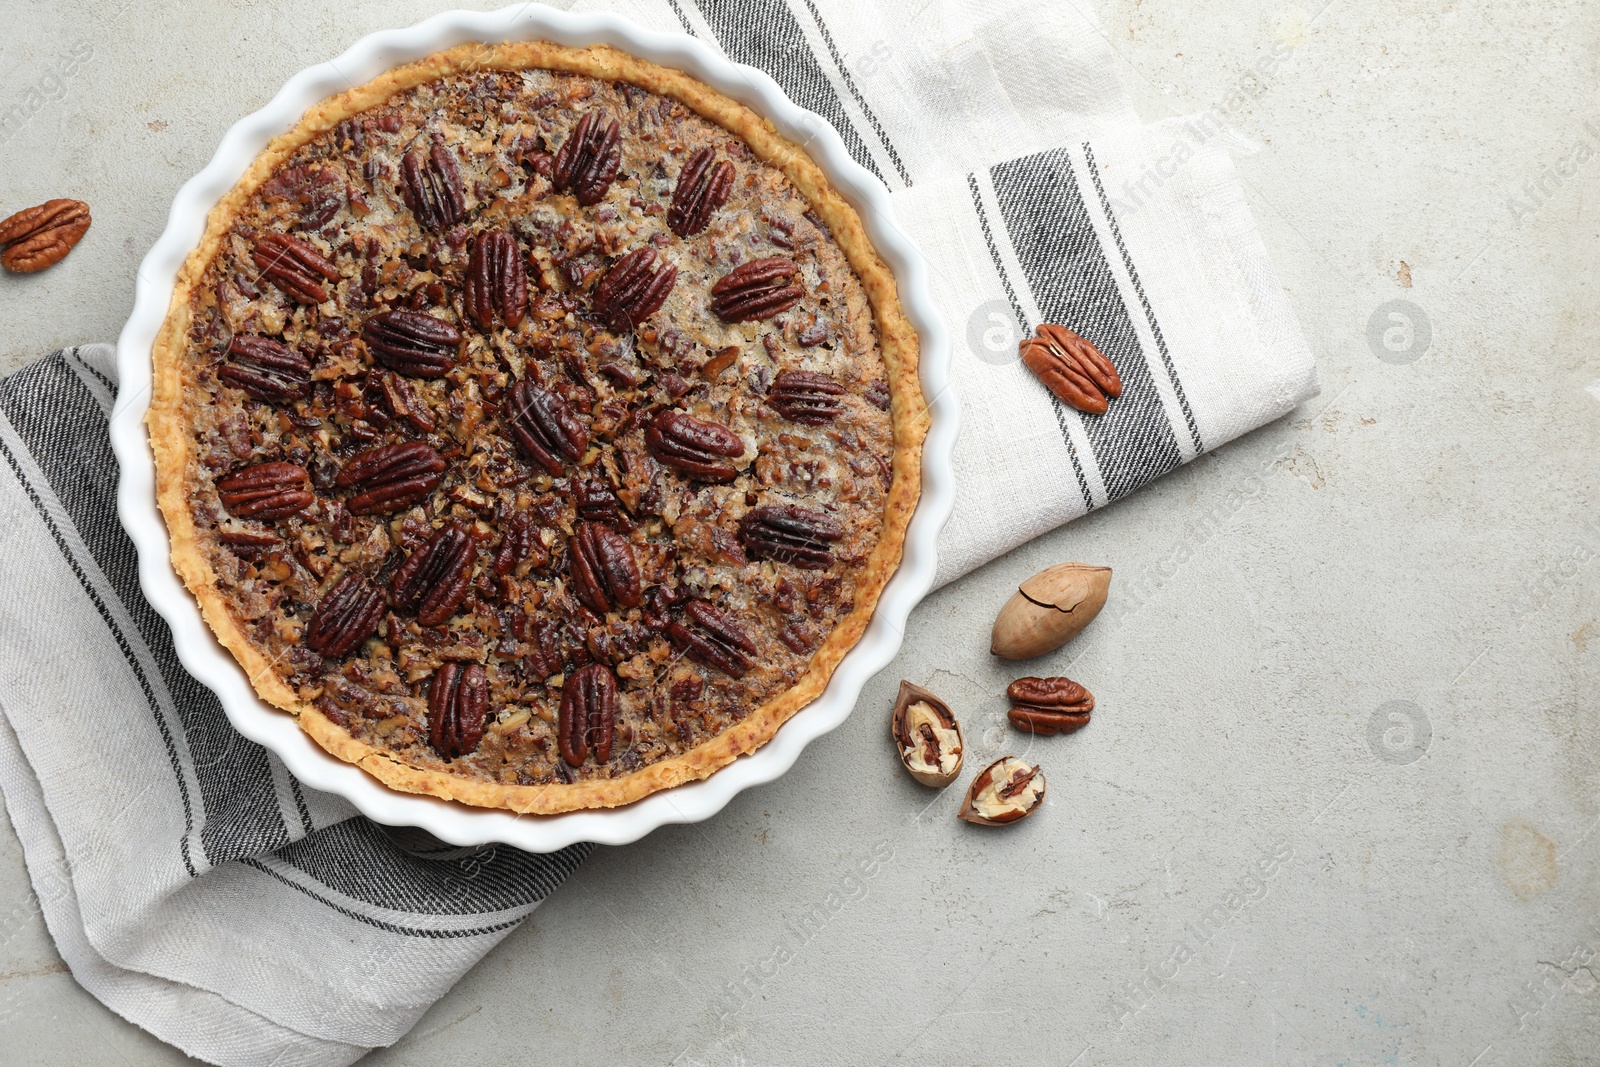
{"points": [[1072, 368], [1049, 705], [41, 236]]}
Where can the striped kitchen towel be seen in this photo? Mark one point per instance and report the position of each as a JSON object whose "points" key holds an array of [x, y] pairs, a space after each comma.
{"points": [[199, 891], [1016, 164]]}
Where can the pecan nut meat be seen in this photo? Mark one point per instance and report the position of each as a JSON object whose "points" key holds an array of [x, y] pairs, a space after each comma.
{"points": [[545, 428], [1072, 368], [805, 396], [412, 343], [346, 615], [497, 281], [709, 635], [702, 189], [41, 236], [1049, 706], [788, 534], [390, 477], [634, 289], [268, 370], [519, 544], [758, 289], [587, 161], [699, 448], [605, 574], [266, 491], [435, 579], [928, 736], [389, 397], [458, 705], [294, 266], [432, 189], [1005, 791], [587, 720]]}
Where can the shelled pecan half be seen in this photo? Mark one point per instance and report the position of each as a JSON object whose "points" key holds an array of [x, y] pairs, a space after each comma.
{"points": [[605, 574], [435, 579], [41, 236], [788, 534], [1049, 705], [806, 396], [390, 477], [587, 720], [1072, 368], [265, 491], [268, 370], [346, 615], [545, 428], [432, 187], [497, 281], [412, 343], [699, 448], [587, 161], [709, 635], [294, 266], [702, 189], [758, 289], [458, 704], [634, 289]]}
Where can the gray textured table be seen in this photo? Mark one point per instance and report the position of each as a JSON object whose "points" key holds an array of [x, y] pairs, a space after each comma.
{"points": [[1361, 644]]}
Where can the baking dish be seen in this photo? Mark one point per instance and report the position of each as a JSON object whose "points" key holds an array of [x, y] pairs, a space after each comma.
{"points": [[457, 823]]}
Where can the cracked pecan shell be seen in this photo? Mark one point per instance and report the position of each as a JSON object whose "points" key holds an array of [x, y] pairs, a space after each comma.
{"points": [[436, 578], [390, 477], [788, 534], [265, 491], [412, 343], [702, 189], [587, 720], [458, 705], [346, 615], [698, 448], [1072, 368], [544, 427], [267, 370], [587, 161], [497, 281], [758, 289], [41, 236], [634, 289], [805, 396], [432, 188], [709, 635], [294, 266], [1049, 705], [605, 574]]}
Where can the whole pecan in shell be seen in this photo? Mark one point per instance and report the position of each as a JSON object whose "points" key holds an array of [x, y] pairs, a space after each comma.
{"points": [[265, 491], [806, 396], [788, 534], [294, 266], [587, 720], [702, 189], [41, 236], [412, 343], [709, 635], [346, 615], [634, 289], [436, 578], [1072, 368], [497, 281], [758, 289], [588, 160], [605, 575], [1049, 705], [698, 448], [268, 370], [390, 477], [544, 427], [432, 187], [458, 704]]}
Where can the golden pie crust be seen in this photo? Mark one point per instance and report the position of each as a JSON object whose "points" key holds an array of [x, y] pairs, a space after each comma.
{"points": [[170, 421]]}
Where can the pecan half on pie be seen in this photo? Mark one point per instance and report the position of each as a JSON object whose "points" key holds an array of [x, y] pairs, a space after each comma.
{"points": [[538, 426]]}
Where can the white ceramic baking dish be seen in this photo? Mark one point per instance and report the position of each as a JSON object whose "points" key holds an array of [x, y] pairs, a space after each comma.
{"points": [[215, 667]]}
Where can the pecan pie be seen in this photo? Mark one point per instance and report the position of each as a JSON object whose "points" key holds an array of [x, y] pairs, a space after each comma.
{"points": [[538, 426]]}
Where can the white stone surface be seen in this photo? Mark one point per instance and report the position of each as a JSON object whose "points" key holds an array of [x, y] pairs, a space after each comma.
{"points": [[1425, 532]]}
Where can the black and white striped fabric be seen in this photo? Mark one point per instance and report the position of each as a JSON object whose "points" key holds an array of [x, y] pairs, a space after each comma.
{"points": [[188, 881], [198, 890], [1016, 163]]}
